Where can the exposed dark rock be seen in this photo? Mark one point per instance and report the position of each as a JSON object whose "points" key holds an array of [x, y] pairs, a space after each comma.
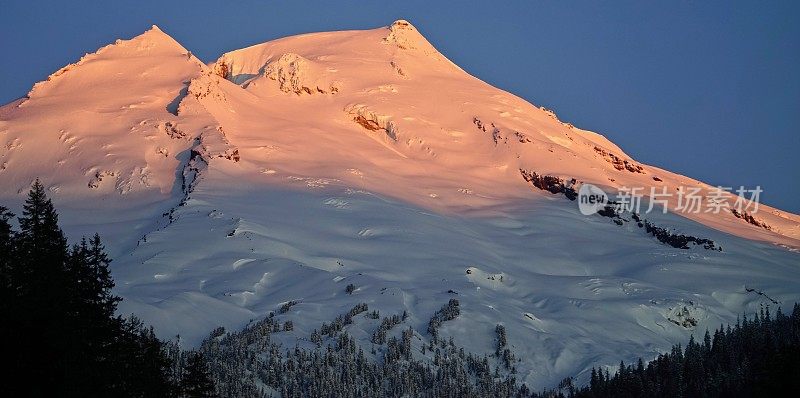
{"points": [[222, 70], [678, 241], [522, 138], [750, 219], [661, 234], [366, 123], [479, 124], [619, 163], [760, 293], [551, 184], [683, 317], [173, 131], [556, 185], [498, 135], [233, 155], [372, 121]]}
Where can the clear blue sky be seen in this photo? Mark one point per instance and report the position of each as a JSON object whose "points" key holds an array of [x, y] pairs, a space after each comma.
{"points": [[709, 89]]}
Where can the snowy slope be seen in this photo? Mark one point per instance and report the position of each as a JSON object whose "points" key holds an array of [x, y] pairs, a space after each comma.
{"points": [[105, 128], [290, 169]]}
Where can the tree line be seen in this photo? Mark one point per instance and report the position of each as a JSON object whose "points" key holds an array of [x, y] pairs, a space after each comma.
{"points": [[60, 333], [758, 357], [62, 336]]}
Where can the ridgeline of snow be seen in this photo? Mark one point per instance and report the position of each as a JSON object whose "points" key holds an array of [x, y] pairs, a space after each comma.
{"points": [[290, 169]]}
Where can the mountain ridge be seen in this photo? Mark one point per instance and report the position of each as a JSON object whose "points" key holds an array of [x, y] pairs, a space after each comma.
{"points": [[283, 171]]}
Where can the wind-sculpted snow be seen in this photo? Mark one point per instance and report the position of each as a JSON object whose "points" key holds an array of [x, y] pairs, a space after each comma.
{"points": [[572, 291], [372, 121], [298, 75], [287, 171]]}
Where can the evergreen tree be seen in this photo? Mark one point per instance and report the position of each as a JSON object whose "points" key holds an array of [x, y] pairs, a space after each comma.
{"points": [[196, 382], [6, 247], [98, 291], [757, 357], [41, 241], [8, 293], [59, 324], [92, 317], [6, 236], [41, 303], [140, 363]]}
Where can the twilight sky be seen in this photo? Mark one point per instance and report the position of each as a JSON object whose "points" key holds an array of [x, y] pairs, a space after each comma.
{"points": [[709, 89]]}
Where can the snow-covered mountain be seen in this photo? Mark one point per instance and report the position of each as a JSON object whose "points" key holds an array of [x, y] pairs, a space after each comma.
{"points": [[289, 170]]}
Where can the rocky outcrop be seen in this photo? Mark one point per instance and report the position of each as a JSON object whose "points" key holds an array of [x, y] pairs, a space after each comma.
{"points": [[521, 137], [403, 35], [551, 184], [296, 74], [206, 87], [479, 124], [191, 171], [556, 185], [762, 294], [663, 235], [619, 163], [743, 215], [214, 144], [610, 211], [222, 69], [678, 241], [172, 131], [397, 69], [684, 316], [94, 183], [498, 135], [372, 121], [406, 37]]}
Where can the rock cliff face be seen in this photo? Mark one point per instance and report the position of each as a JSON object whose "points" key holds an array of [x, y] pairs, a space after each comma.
{"points": [[295, 74], [405, 36], [372, 121], [619, 163]]}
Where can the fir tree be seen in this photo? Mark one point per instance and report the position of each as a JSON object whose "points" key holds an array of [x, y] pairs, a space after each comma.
{"points": [[6, 247], [41, 302], [196, 382], [58, 309]]}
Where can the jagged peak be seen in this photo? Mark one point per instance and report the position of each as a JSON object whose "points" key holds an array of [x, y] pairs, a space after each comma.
{"points": [[403, 34], [152, 42], [402, 24], [408, 39], [157, 37]]}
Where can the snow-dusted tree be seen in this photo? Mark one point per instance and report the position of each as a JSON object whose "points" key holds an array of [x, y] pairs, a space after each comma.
{"points": [[196, 381]]}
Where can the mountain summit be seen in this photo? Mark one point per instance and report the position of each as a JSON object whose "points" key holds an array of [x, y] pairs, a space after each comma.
{"points": [[285, 171]]}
